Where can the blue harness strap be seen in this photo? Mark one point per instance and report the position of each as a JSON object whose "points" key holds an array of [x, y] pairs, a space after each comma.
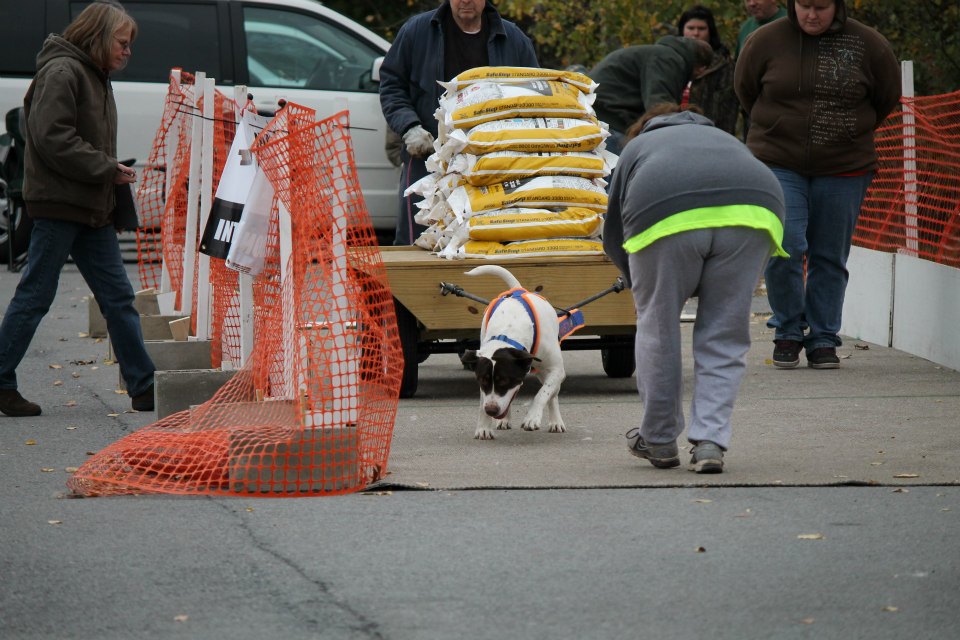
{"points": [[572, 321], [520, 295]]}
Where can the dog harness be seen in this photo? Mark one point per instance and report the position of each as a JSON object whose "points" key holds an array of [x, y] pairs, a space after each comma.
{"points": [[572, 321]]}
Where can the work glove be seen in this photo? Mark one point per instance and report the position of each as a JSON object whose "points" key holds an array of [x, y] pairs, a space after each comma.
{"points": [[418, 141]]}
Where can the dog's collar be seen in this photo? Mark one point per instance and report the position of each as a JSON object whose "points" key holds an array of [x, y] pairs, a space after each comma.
{"points": [[520, 295], [508, 340]]}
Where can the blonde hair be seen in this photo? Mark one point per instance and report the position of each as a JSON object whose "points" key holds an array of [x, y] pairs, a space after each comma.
{"points": [[93, 30]]}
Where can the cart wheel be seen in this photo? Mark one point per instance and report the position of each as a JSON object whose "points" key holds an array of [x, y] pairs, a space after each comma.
{"points": [[409, 340], [617, 358]]}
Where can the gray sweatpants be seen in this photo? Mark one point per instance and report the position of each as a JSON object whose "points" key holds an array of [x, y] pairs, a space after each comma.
{"points": [[722, 267]]}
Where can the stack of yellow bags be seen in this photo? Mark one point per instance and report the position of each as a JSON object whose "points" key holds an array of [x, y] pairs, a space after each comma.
{"points": [[519, 166]]}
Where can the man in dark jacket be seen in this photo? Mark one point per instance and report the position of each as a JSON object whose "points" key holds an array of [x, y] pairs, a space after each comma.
{"points": [[433, 46], [634, 79]]}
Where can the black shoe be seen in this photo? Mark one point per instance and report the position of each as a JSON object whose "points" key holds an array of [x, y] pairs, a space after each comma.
{"points": [[143, 401], [662, 456], [707, 457], [786, 353], [15, 405], [823, 358]]}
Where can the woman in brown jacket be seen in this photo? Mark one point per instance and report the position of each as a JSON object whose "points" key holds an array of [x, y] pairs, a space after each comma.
{"points": [[71, 170], [815, 86]]}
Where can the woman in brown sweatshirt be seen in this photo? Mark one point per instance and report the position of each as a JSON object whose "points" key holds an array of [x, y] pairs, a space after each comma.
{"points": [[816, 86]]}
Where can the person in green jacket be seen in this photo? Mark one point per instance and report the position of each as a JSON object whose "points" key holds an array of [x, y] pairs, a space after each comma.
{"points": [[761, 12], [634, 79], [71, 173]]}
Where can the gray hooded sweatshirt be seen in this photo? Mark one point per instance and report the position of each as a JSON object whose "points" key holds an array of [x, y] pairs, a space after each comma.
{"points": [[681, 164]]}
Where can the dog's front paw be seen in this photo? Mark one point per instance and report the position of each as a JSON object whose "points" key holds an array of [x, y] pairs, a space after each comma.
{"points": [[530, 425], [557, 427], [503, 425], [482, 433]]}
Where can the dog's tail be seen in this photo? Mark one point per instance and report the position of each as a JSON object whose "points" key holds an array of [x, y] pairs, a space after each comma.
{"points": [[496, 270]]}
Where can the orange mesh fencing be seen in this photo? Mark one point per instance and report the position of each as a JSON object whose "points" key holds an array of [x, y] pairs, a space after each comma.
{"points": [[312, 410], [913, 204]]}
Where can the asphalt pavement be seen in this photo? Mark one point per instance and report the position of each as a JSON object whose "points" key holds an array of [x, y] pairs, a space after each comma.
{"points": [[836, 518]]}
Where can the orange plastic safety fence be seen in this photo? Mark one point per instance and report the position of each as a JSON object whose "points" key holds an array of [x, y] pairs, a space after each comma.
{"points": [[154, 198], [913, 205], [312, 411]]}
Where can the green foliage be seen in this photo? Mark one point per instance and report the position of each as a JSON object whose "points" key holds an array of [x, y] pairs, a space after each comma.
{"points": [[568, 32]]}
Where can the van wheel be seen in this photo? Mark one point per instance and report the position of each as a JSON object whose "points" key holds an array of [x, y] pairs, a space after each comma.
{"points": [[14, 215]]}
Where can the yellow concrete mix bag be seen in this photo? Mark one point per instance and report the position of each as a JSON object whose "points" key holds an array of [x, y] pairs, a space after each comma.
{"points": [[517, 75], [541, 192], [485, 101], [512, 224], [525, 135], [526, 248], [499, 166]]}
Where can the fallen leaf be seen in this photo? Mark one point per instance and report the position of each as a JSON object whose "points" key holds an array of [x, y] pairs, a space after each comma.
{"points": [[875, 464], [47, 469], [112, 415], [945, 509], [75, 374], [702, 501], [109, 362], [71, 428], [54, 521], [83, 335], [906, 475], [807, 621], [56, 366], [890, 609], [71, 403], [62, 339], [900, 490], [122, 392], [91, 453], [423, 484], [58, 383], [700, 550], [249, 509], [862, 347], [82, 363], [94, 368], [810, 536], [30, 442], [71, 469], [98, 340], [181, 618]]}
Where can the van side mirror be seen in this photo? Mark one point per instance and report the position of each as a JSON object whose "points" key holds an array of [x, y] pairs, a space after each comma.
{"points": [[375, 71]]}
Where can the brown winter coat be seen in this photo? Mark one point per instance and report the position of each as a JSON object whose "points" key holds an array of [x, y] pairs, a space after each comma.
{"points": [[815, 101]]}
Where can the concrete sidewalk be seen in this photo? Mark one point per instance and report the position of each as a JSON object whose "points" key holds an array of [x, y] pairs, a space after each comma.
{"points": [[885, 417]]}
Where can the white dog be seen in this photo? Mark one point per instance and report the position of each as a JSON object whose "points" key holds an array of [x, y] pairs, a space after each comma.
{"points": [[519, 328]]}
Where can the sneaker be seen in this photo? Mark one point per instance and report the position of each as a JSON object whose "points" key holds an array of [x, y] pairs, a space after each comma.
{"points": [[15, 405], [143, 401], [786, 353], [707, 457], [662, 456], [823, 358]]}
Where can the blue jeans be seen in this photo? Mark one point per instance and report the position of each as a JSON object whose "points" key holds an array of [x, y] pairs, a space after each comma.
{"points": [[96, 253], [821, 216]]}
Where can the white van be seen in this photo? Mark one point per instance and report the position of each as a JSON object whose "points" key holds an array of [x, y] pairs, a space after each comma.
{"points": [[294, 50]]}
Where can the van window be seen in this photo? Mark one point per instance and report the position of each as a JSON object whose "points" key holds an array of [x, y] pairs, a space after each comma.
{"points": [[288, 49], [21, 36], [186, 37]]}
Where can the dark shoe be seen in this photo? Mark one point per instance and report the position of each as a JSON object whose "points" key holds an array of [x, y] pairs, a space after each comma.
{"points": [[823, 358], [662, 456], [15, 405], [143, 401], [786, 353], [707, 457]]}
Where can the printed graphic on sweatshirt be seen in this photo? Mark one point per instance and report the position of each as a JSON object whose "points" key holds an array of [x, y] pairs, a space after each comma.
{"points": [[837, 89]]}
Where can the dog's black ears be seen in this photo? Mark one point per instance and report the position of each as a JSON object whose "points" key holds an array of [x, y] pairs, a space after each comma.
{"points": [[469, 357]]}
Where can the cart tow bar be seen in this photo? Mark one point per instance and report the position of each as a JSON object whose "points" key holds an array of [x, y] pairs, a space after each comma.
{"points": [[618, 285]]}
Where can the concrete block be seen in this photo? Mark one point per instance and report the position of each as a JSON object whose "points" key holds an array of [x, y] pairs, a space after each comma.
{"points": [[170, 355], [157, 327], [178, 390], [145, 302], [309, 461]]}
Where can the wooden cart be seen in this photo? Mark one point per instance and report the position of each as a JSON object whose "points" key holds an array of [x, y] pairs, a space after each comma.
{"points": [[431, 322]]}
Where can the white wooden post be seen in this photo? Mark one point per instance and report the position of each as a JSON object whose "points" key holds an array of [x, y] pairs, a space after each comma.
{"points": [[244, 281], [193, 201], [204, 295], [170, 147], [909, 163]]}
